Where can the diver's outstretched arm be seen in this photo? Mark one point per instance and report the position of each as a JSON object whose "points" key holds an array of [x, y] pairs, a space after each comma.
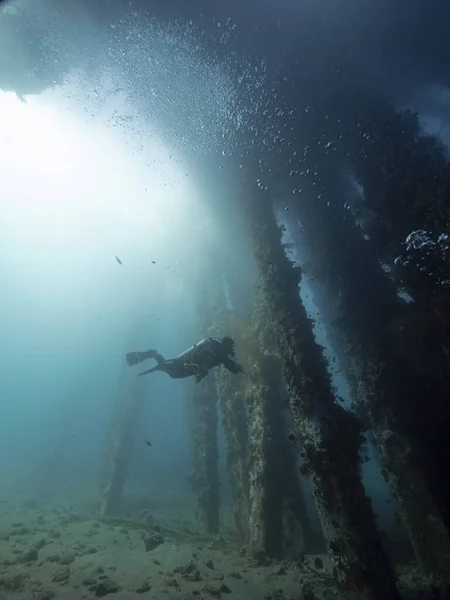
{"points": [[202, 373], [233, 366]]}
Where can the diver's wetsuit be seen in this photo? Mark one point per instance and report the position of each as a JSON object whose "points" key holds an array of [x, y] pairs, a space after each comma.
{"points": [[196, 360]]}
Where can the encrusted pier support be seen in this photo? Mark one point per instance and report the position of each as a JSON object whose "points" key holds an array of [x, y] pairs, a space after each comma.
{"points": [[205, 480], [330, 437], [298, 530], [276, 496], [230, 390], [234, 420], [420, 514], [267, 404], [266, 468], [380, 371], [393, 352]]}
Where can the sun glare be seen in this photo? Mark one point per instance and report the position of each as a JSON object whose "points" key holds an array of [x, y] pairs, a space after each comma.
{"points": [[35, 136], [69, 179]]}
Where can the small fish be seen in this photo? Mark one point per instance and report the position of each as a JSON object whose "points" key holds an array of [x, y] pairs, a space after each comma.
{"points": [[118, 259], [292, 437], [148, 443], [154, 262]]}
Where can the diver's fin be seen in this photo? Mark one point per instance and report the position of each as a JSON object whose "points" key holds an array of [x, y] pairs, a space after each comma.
{"points": [[135, 358], [152, 370]]}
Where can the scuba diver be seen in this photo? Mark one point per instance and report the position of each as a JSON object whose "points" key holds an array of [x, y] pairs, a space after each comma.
{"points": [[196, 360]]}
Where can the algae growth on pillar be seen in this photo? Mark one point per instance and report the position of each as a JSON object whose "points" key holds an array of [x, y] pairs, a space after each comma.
{"points": [[330, 437]]}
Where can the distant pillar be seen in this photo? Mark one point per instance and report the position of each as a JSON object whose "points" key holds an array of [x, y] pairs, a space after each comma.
{"points": [[121, 441]]}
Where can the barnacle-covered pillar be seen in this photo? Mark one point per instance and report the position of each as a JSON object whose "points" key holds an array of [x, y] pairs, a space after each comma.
{"points": [[205, 479], [265, 461], [230, 389], [419, 511], [330, 436], [234, 419], [299, 533], [275, 490], [251, 415], [383, 351], [121, 441]]}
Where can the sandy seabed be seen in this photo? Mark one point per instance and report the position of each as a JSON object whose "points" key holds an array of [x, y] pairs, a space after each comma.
{"points": [[52, 549]]}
